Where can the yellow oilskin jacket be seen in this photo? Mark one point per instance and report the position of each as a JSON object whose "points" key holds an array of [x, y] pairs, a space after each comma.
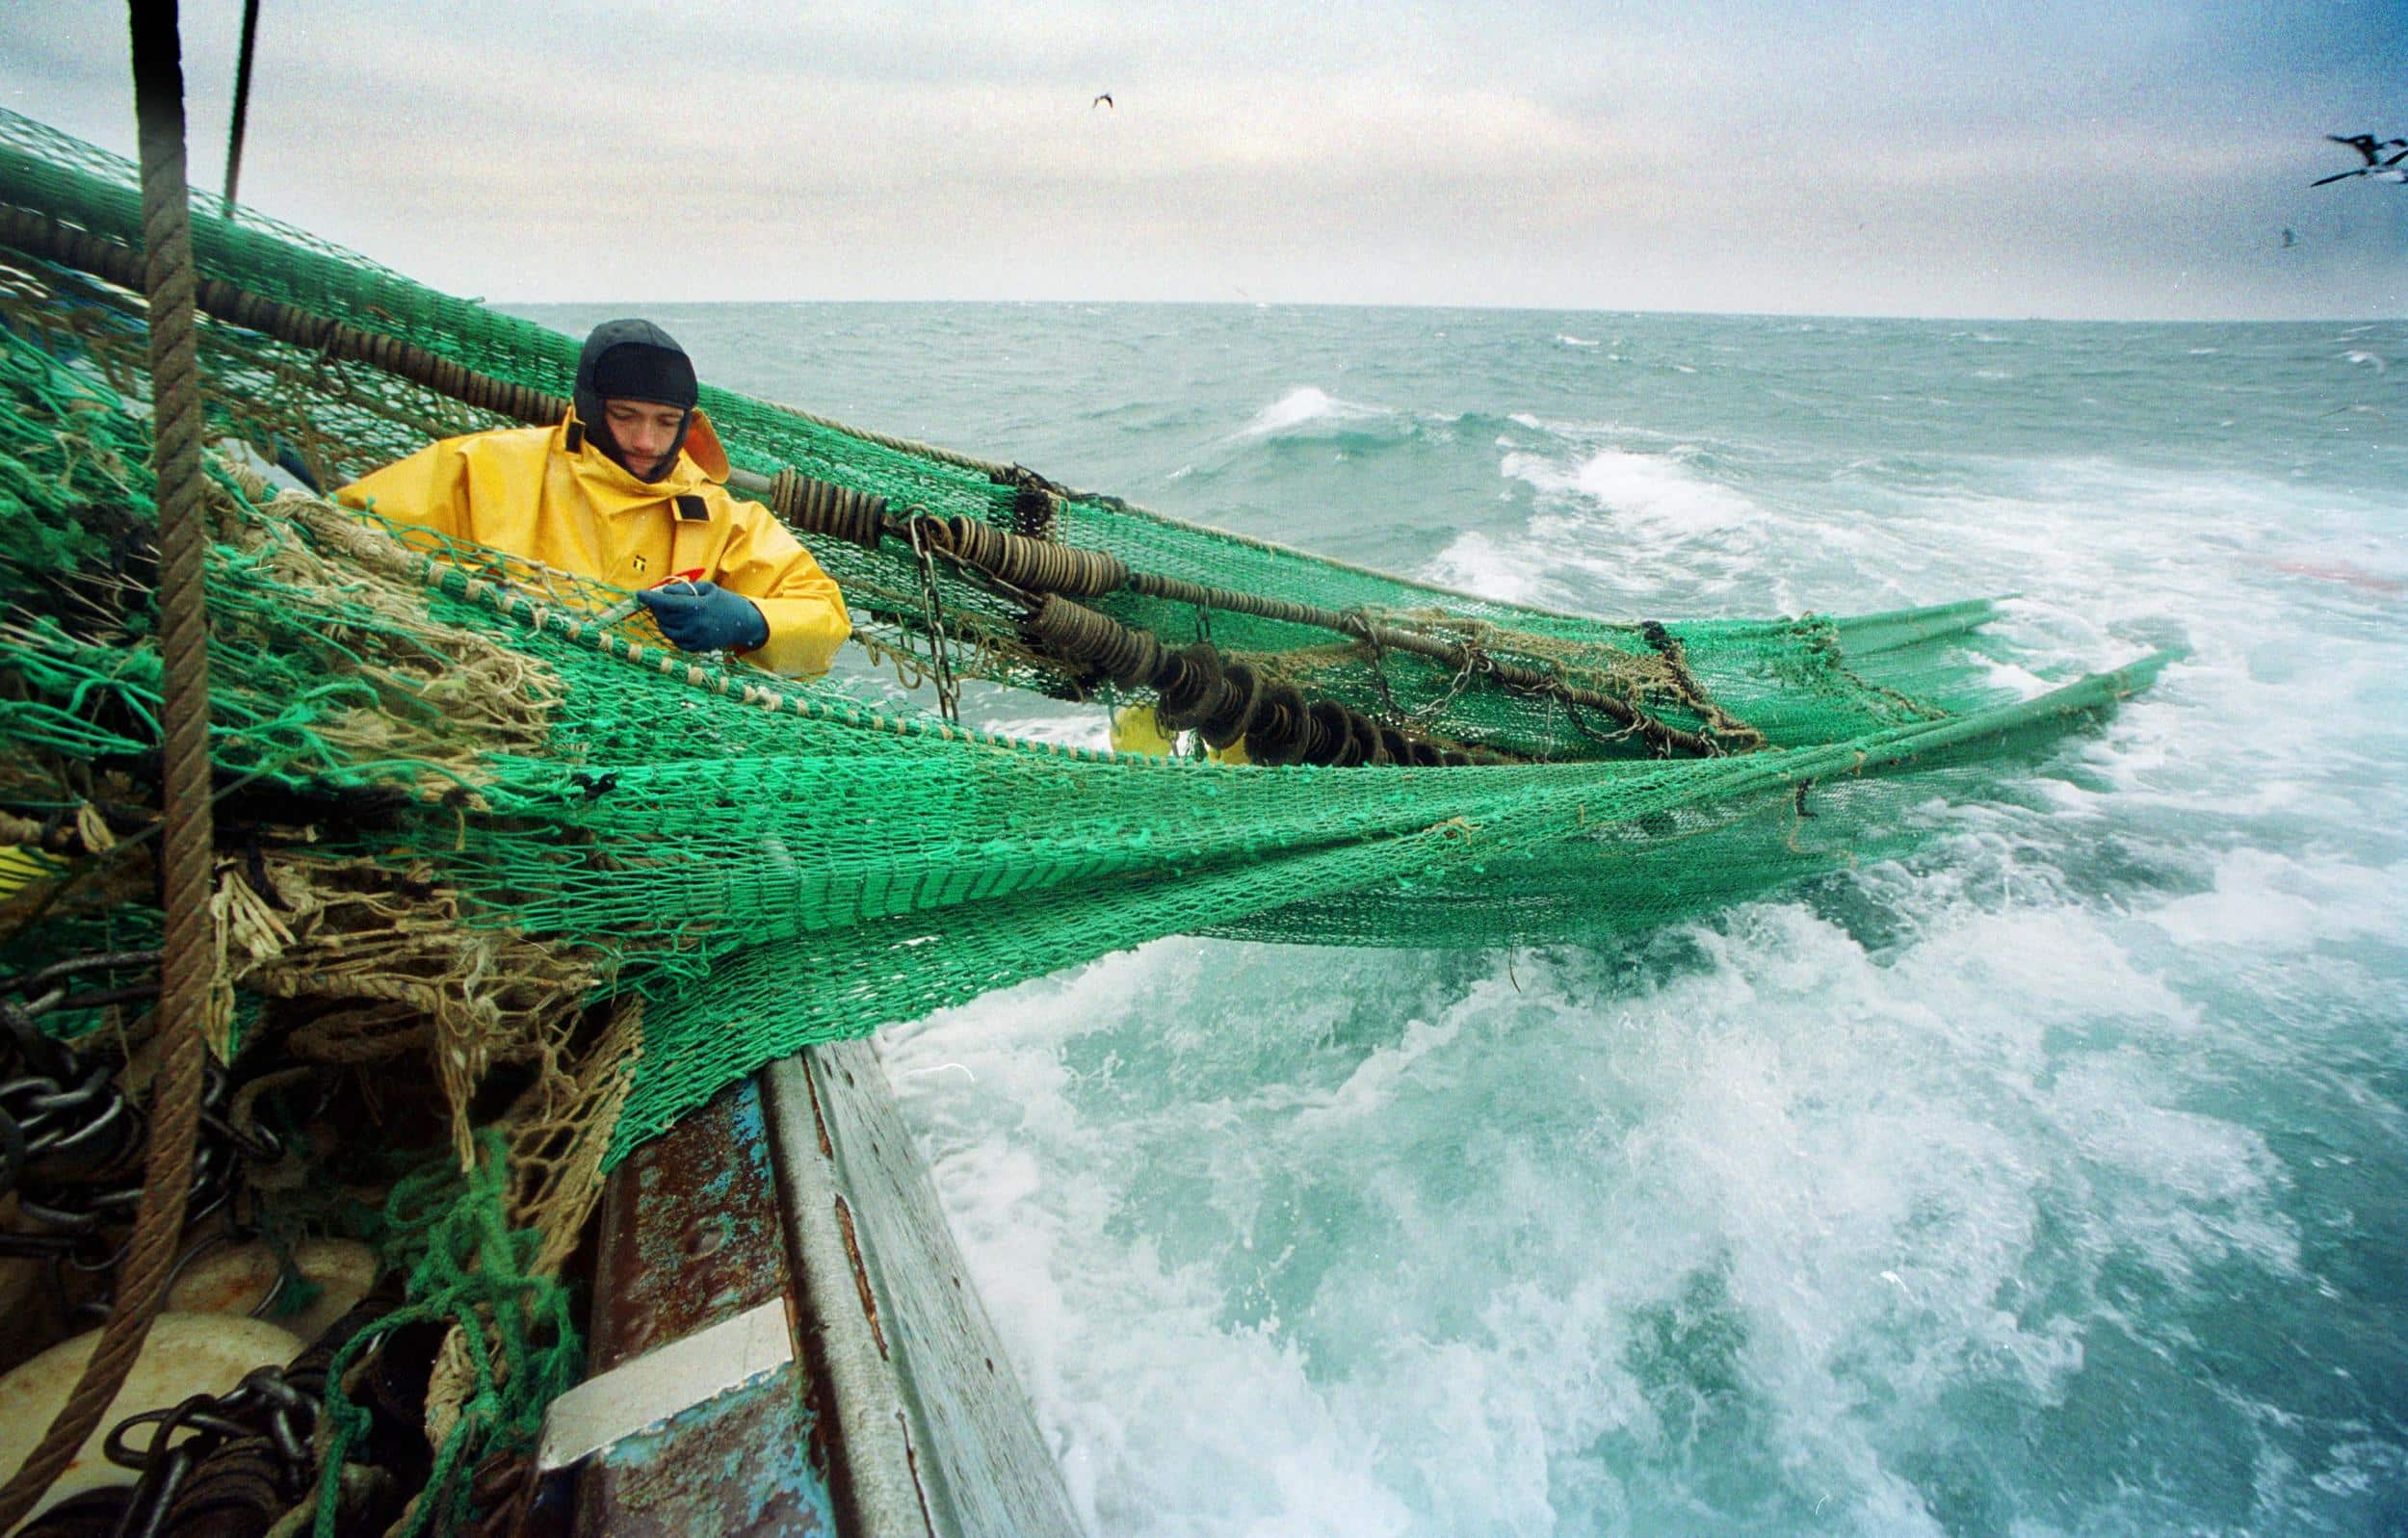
{"points": [[526, 491]]}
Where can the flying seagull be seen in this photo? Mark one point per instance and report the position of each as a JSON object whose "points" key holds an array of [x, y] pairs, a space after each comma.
{"points": [[2378, 166], [2368, 146], [1104, 100]]}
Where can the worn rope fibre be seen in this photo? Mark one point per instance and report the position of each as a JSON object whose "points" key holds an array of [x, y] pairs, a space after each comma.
{"points": [[384, 947], [187, 963]]}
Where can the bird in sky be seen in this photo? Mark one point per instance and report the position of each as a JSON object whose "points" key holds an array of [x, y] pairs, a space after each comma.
{"points": [[1104, 100], [2381, 168]]}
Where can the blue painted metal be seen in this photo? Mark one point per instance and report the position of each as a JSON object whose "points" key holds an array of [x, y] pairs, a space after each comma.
{"points": [[737, 1463], [692, 1236], [899, 1417]]}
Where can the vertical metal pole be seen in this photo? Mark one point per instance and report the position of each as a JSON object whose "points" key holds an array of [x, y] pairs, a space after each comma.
{"points": [[242, 103]]}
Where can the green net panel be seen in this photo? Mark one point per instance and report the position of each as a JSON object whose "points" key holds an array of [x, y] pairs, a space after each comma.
{"points": [[770, 865]]}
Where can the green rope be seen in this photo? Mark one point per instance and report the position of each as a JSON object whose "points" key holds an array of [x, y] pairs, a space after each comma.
{"points": [[468, 1270]]}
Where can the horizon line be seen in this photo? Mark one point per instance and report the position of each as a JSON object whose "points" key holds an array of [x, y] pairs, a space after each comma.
{"points": [[1499, 308]]}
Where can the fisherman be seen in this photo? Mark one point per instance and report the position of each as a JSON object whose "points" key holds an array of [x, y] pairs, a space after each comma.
{"points": [[627, 491]]}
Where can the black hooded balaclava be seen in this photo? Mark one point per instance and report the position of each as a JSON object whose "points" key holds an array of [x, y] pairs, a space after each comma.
{"points": [[633, 360]]}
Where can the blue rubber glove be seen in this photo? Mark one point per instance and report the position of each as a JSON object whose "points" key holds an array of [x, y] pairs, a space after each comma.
{"points": [[703, 616]]}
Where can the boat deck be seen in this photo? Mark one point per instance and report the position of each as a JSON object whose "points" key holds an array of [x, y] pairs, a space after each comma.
{"points": [[784, 1339]]}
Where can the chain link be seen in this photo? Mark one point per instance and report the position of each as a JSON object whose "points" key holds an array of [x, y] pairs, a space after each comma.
{"points": [[932, 612], [264, 1407], [1476, 661], [71, 1137]]}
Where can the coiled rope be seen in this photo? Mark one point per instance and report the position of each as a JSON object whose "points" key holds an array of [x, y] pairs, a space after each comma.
{"points": [[1662, 735]]}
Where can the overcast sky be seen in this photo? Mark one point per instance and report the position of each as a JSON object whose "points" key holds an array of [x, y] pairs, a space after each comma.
{"points": [[2140, 159]]}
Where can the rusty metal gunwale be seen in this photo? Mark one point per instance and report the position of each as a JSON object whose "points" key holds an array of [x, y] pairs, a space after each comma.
{"points": [[897, 1416]]}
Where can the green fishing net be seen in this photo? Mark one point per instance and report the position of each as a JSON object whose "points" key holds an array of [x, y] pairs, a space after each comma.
{"points": [[770, 864]]}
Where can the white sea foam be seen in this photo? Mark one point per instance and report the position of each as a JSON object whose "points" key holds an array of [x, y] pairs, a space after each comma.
{"points": [[1371, 1089], [1576, 341], [1307, 403], [1514, 571], [1185, 1418], [1613, 525], [1843, 1179], [2274, 902], [1088, 729], [1767, 1225], [1653, 491]]}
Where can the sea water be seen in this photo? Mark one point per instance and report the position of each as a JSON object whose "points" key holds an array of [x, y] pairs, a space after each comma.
{"points": [[2055, 1182]]}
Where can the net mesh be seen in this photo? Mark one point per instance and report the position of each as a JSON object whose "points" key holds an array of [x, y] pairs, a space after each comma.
{"points": [[766, 864]]}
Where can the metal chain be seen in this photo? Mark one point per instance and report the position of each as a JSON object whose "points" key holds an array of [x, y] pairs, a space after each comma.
{"points": [[1375, 662], [264, 1407], [68, 1130], [932, 612]]}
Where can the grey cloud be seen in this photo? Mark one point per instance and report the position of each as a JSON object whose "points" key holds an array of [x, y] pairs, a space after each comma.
{"points": [[1945, 157]]}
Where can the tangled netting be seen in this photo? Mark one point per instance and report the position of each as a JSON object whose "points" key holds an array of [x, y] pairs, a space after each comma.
{"points": [[767, 865]]}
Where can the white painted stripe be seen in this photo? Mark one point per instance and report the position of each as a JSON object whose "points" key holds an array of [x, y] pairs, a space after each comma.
{"points": [[640, 1394]]}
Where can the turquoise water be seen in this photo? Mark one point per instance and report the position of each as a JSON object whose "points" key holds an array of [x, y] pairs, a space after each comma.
{"points": [[2051, 1184]]}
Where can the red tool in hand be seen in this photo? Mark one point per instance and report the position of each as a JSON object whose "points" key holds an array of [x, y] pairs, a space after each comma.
{"points": [[629, 605]]}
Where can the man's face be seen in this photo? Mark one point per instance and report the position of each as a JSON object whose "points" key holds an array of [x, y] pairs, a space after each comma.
{"points": [[645, 432]]}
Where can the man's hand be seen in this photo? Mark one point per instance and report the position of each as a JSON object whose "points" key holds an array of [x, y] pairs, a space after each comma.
{"points": [[702, 616]]}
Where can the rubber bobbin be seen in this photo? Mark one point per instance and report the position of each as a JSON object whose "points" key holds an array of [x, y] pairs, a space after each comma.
{"points": [[1232, 706], [1334, 744], [1189, 680], [1282, 730]]}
